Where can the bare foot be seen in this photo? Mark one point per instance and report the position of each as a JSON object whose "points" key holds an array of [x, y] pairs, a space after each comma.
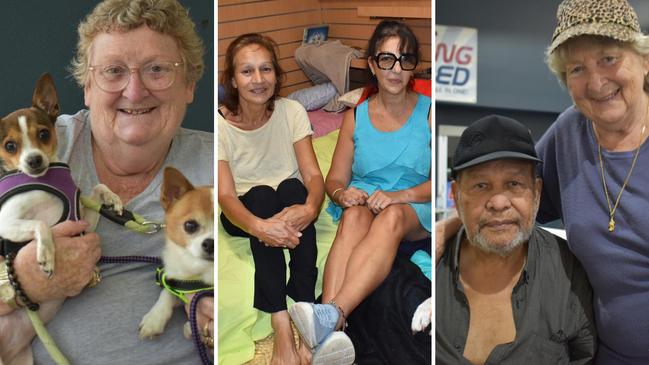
{"points": [[304, 353], [284, 352]]}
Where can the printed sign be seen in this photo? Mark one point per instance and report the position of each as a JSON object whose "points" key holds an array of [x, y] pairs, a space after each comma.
{"points": [[456, 61]]}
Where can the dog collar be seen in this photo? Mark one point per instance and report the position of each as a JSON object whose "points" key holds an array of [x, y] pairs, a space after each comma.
{"points": [[180, 288]]}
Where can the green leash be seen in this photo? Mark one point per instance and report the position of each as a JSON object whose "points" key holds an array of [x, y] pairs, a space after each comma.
{"points": [[128, 219], [46, 339]]}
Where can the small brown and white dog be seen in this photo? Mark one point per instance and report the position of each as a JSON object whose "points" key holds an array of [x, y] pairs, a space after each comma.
{"points": [[189, 243], [29, 146]]}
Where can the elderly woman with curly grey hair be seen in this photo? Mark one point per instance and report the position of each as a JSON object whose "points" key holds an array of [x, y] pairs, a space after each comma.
{"points": [[138, 62]]}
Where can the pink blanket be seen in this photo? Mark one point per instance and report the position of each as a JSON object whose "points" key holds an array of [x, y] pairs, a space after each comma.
{"points": [[324, 122]]}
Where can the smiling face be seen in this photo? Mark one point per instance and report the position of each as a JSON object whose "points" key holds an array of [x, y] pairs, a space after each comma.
{"points": [[393, 81], [136, 116], [497, 202], [605, 80], [254, 75]]}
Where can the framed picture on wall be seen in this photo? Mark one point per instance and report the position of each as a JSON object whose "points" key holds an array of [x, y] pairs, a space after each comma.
{"points": [[316, 34]]}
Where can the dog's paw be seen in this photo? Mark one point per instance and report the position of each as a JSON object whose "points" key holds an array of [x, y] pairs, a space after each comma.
{"points": [[422, 317], [154, 322], [187, 331], [151, 326], [106, 196], [45, 256]]}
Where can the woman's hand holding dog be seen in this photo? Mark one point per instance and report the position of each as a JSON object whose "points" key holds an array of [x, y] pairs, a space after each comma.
{"points": [[75, 260], [277, 233]]}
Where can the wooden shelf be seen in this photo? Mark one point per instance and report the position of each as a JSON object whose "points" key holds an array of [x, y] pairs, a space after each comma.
{"points": [[358, 63], [420, 12]]}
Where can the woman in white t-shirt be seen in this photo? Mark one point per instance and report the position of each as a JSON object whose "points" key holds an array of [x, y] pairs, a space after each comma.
{"points": [[269, 184]]}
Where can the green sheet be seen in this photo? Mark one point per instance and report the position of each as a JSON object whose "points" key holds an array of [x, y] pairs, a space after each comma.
{"points": [[239, 323]]}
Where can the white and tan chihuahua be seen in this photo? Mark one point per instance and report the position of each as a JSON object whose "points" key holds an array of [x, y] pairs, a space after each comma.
{"points": [[189, 243], [38, 192], [28, 155]]}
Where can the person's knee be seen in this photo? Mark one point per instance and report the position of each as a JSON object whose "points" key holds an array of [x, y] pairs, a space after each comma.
{"points": [[262, 201], [261, 192], [291, 185], [393, 217], [292, 191], [354, 220], [355, 215]]}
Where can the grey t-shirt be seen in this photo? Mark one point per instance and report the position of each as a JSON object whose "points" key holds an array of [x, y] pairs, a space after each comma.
{"points": [[100, 325]]}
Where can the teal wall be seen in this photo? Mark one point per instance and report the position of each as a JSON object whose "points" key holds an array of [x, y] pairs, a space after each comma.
{"points": [[40, 36]]}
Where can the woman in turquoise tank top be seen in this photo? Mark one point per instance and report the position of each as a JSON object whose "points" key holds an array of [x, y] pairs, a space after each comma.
{"points": [[379, 184]]}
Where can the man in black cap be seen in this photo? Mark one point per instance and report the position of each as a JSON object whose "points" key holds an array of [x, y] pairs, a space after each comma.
{"points": [[507, 292]]}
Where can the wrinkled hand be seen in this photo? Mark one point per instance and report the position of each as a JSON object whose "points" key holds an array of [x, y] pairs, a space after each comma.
{"points": [[75, 259], [277, 233], [299, 216], [351, 197], [380, 200], [204, 313]]}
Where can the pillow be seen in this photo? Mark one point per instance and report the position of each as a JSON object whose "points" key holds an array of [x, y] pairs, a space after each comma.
{"points": [[351, 99], [314, 97]]}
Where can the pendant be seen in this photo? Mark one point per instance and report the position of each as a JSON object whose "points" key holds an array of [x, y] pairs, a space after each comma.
{"points": [[611, 225]]}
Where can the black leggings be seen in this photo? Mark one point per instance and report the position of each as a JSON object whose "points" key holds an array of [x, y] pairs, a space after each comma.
{"points": [[271, 287]]}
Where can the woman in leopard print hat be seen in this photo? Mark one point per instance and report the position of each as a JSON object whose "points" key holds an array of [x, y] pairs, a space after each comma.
{"points": [[596, 166]]}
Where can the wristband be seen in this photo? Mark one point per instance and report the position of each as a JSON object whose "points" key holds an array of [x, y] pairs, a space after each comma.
{"points": [[22, 301]]}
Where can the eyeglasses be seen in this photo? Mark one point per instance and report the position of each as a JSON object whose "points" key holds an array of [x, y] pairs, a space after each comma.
{"points": [[387, 60], [155, 76]]}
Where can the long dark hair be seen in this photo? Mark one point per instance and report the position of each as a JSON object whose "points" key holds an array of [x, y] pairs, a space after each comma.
{"points": [[390, 28], [231, 98]]}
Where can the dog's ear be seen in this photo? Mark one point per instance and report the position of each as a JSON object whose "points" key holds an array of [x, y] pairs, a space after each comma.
{"points": [[45, 97], [174, 185]]}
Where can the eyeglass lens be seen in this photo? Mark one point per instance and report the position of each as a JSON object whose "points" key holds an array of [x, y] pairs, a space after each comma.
{"points": [[386, 61], [155, 76]]}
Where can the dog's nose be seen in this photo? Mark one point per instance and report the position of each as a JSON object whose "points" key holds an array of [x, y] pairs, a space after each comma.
{"points": [[35, 161], [208, 246]]}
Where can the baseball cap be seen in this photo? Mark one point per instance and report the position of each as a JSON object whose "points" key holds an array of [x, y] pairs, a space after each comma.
{"points": [[493, 137]]}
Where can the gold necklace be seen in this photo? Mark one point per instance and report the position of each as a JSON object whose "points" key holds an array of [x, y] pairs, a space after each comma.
{"points": [[611, 211]]}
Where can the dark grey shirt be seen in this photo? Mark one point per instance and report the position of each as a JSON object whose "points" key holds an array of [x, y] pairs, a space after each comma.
{"points": [[552, 304]]}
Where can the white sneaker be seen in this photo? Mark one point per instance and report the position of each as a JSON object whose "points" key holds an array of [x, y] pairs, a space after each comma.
{"points": [[336, 349], [314, 322]]}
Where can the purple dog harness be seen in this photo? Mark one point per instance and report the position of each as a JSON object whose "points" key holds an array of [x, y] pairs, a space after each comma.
{"points": [[57, 181]]}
